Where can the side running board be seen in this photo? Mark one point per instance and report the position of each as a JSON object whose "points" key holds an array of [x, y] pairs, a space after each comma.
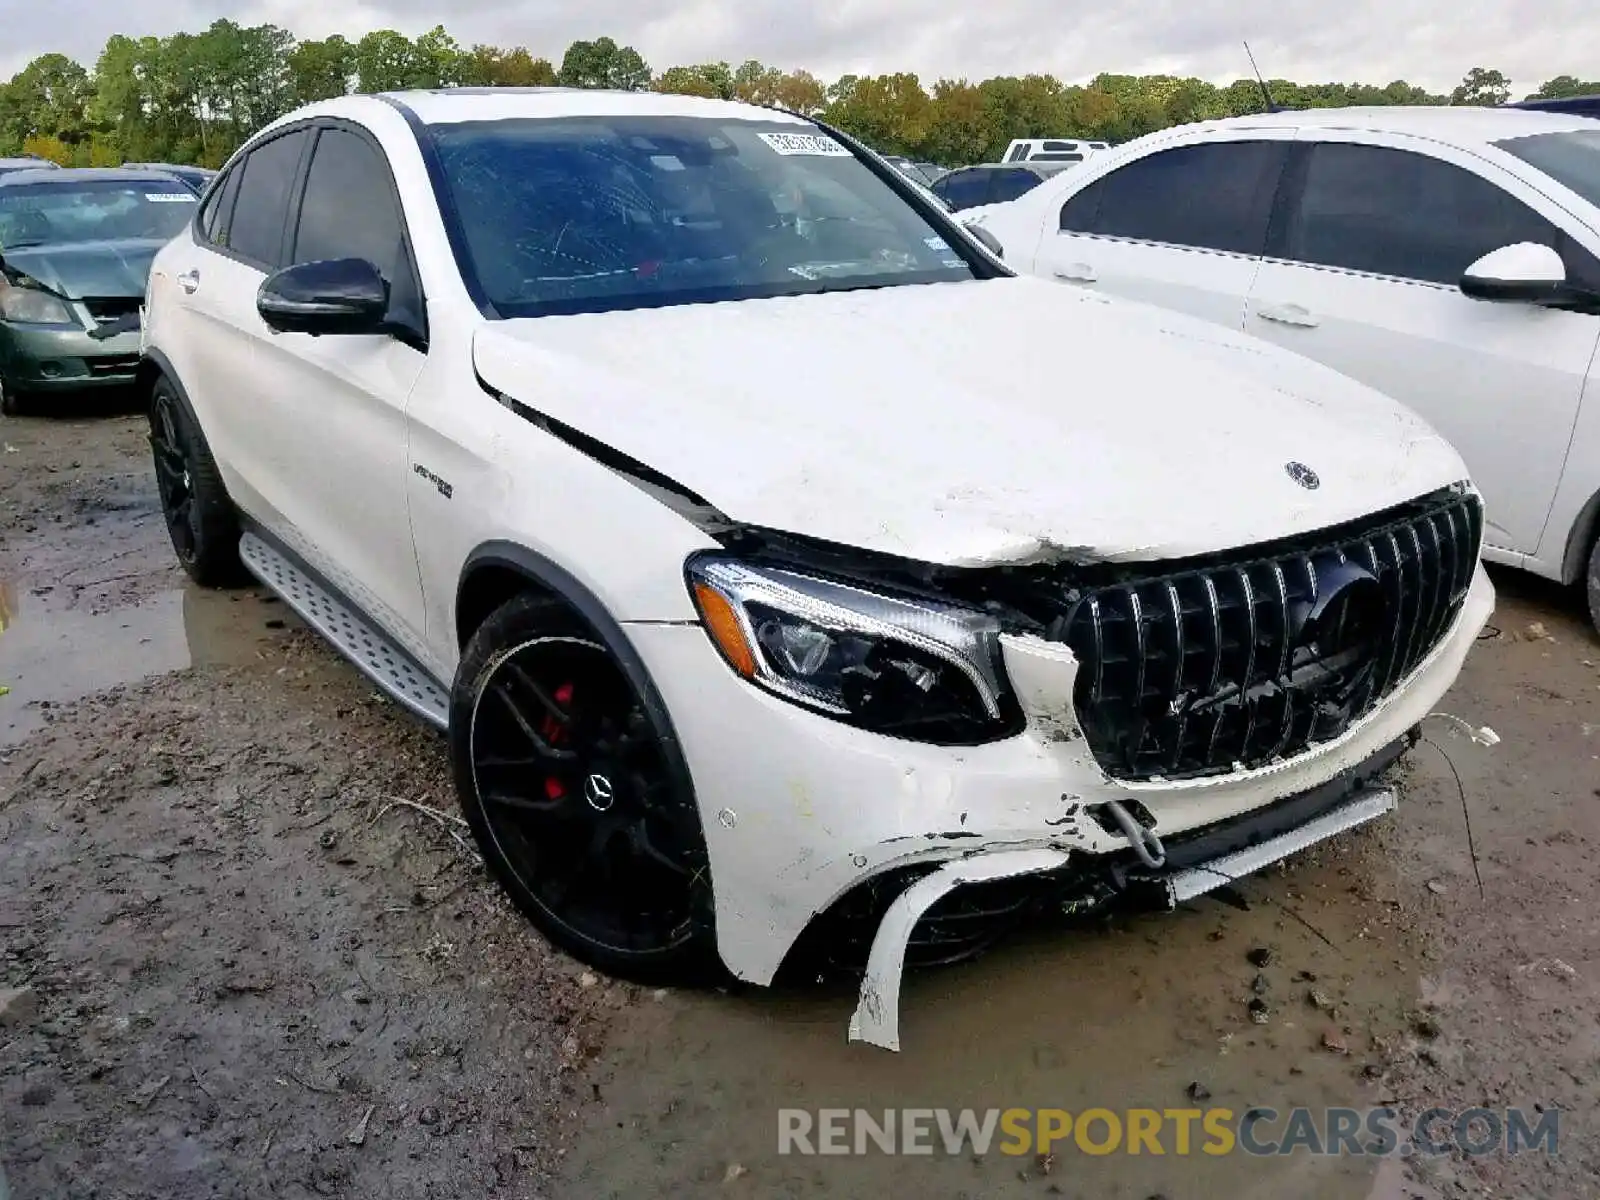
{"points": [[358, 639]]}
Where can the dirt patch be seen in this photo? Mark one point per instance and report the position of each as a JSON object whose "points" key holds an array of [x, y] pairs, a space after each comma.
{"points": [[246, 971], [251, 971]]}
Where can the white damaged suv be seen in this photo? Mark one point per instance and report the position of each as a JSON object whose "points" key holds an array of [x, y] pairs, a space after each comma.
{"points": [[582, 423]]}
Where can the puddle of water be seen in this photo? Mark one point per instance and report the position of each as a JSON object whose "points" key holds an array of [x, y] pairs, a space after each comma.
{"points": [[51, 654], [1121, 1019]]}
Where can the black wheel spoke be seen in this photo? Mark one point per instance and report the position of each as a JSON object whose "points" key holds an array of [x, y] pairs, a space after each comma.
{"points": [[169, 467], [546, 701], [639, 838], [543, 748], [533, 805], [514, 763], [558, 887]]}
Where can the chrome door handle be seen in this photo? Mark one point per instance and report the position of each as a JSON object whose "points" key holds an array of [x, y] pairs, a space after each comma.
{"points": [[1288, 314], [189, 281], [1077, 273]]}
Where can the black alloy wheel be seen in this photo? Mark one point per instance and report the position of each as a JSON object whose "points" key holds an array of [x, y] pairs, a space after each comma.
{"points": [[572, 798], [174, 481], [200, 518]]}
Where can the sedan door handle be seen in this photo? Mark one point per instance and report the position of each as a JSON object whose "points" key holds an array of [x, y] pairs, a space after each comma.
{"points": [[1076, 273], [189, 281], [1287, 314]]}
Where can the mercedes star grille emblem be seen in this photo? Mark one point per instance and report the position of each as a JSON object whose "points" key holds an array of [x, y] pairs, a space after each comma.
{"points": [[1303, 475]]}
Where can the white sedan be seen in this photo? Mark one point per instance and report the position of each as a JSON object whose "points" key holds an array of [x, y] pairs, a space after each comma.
{"points": [[542, 410], [1448, 257]]}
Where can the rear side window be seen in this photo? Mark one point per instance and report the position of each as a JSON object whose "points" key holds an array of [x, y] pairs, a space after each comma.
{"points": [[262, 205], [965, 189], [1395, 212], [1215, 196], [218, 214], [1008, 185]]}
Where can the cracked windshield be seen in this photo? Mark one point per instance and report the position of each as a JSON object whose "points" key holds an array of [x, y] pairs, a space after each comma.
{"points": [[589, 215]]}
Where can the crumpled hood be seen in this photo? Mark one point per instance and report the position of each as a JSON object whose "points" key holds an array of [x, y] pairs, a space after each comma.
{"points": [[79, 269], [1006, 420]]}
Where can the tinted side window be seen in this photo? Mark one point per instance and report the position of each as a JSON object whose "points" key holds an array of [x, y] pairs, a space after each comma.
{"points": [[1393, 212], [1008, 185], [259, 212], [218, 215], [349, 209], [1217, 196], [1081, 212], [964, 189]]}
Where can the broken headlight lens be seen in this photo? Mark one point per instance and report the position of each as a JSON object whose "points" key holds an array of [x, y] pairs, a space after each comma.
{"points": [[26, 304], [900, 666]]}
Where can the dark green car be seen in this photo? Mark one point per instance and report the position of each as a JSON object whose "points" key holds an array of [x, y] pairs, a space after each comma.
{"points": [[75, 251]]}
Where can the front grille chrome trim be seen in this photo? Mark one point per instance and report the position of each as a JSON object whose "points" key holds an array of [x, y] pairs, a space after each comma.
{"points": [[1252, 681]]}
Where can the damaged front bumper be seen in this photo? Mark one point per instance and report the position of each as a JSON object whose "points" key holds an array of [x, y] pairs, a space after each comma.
{"points": [[1077, 893], [804, 815]]}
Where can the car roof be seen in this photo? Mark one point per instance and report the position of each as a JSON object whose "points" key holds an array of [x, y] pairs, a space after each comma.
{"points": [[167, 167], [29, 163], [443, 106], [1461, 125], [68, 175]]}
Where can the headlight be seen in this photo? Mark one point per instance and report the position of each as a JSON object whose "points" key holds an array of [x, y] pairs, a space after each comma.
{"points": [[899, 666], [32, 305]]}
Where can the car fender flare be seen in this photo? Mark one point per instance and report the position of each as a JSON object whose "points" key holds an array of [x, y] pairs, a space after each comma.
{"points": [[1581, 540], [153, 364]]}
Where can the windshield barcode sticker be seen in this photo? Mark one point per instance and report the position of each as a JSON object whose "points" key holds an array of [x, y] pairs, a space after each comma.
{"points": [[168, 198], [804, 143]]}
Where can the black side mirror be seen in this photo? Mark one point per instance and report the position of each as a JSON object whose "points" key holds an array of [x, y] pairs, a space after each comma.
{"points": [[990, 242], [337, 296]]}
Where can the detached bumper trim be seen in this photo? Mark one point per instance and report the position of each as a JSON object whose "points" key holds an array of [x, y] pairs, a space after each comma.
{"points": [[1368, 805]]}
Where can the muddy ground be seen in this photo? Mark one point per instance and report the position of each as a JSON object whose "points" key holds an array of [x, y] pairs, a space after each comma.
{"points": [[257, 961]]}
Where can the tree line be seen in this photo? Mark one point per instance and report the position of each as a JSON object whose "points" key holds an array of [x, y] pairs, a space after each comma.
{"points": [[194, 97]]}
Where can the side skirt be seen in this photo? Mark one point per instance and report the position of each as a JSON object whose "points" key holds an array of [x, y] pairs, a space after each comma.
{"points": [[369, 649]]}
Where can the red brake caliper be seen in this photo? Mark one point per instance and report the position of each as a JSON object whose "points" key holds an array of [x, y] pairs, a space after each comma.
{"points": [[555, 732]]}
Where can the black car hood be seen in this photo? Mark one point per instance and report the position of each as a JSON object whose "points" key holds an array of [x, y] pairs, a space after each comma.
{"points": [[80, 269]]}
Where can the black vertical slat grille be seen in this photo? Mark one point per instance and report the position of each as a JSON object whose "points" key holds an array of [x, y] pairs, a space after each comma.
{"points": [[1235, 665]]}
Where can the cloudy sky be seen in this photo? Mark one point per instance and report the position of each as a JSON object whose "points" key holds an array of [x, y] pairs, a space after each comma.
{"points": [[1428, 42]]}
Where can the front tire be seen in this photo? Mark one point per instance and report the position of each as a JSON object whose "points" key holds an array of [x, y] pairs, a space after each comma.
{"points": [[201, 520], [571, 794]]}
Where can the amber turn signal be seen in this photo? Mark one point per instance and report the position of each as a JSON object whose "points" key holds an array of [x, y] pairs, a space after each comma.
{"points": [[722, 623]]}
